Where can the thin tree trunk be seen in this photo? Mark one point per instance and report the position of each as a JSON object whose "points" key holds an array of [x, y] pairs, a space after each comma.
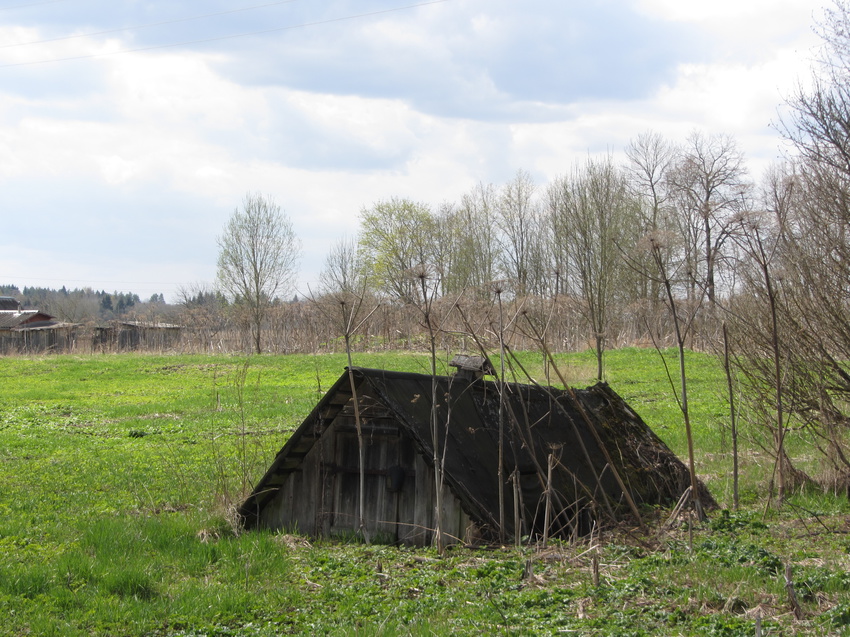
{"points": [[547, 519], [709, 257], [732, 416], [683, 398], [686, 417], [517, 518], [599, 344], [435, 440], [777, 371], [500, 472], [361, 446], [435, 428]]}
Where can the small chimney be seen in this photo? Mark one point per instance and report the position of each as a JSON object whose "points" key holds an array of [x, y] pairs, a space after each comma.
{"points": [[472, 367]]}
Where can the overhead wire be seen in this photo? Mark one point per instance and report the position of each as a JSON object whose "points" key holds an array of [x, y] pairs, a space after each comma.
{"points": [[47, 279], [227, 37], [30, 4], [145, 26]]}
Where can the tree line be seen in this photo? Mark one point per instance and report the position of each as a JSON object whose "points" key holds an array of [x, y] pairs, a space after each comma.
{"points": [[85, 305]]}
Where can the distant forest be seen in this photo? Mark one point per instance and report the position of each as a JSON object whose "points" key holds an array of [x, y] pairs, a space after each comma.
{"points": [[85, 305]]}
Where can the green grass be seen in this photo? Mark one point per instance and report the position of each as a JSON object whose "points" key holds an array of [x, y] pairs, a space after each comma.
{"points": [[117, 473]]}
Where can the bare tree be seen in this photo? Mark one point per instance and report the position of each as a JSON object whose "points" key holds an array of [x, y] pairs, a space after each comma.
{"points": [[818, 124], [593, 216], [343, 271], [760, 241], [428, 284], [651, 158], [479, 210], [468, 246], [203, 312], [815, 244], [709, 185], [814, 274], [343, 301], [683, 317], [519, 222], [258, 259], [75, 306]]}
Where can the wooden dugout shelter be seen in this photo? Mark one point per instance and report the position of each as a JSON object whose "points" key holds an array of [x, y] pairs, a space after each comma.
{"points": [[312, 487]]}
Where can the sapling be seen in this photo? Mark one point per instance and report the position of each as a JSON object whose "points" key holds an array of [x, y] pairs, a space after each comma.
{"points": [[656, 246], [428, 285], [345, 285]]}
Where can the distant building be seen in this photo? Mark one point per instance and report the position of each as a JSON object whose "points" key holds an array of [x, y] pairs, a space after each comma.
{"points": [[13, 316], [133, 335], [28, 331], [9, 304]]}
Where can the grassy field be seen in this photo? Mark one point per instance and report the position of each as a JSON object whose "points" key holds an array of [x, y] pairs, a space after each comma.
{"points": [[118, 474]]}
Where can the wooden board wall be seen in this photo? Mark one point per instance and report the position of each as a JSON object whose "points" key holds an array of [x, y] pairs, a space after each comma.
{"points": [[321, 497]]}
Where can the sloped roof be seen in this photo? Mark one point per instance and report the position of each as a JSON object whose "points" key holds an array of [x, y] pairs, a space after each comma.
{"points": [[9, 303], [12, 319], [137, 325], [41, 326], [573, 425]]}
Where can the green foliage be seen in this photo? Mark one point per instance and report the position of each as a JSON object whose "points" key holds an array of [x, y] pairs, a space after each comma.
{"points": [[730, 552], [726, 520], [396, 237], [838, 617], [117, 472]]}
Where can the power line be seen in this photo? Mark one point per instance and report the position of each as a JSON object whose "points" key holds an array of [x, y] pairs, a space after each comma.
{"points": [[99, 281], [31, 4], [144, 26], [228, 37]]}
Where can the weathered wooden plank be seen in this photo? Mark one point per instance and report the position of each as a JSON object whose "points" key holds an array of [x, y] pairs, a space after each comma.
{"points": [[340, 398], [325, 484], [423, 510], [345, 492], [406, 498], [387, 508], [454, 527], [303, 494]]}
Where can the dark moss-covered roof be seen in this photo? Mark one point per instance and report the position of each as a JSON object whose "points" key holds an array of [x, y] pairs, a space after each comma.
{"points": [[9, 304], [536, 421]]}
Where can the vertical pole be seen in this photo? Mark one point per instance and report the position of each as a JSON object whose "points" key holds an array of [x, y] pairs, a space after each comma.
{"points": [[547, 520], [732, 416], [517, 518], [501, 468]]}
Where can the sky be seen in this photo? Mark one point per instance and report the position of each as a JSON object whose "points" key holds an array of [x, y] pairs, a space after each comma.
{"points": [[130, 131]]}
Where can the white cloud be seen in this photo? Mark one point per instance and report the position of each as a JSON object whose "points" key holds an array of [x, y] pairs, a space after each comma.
{"points": [[766, 12]]}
